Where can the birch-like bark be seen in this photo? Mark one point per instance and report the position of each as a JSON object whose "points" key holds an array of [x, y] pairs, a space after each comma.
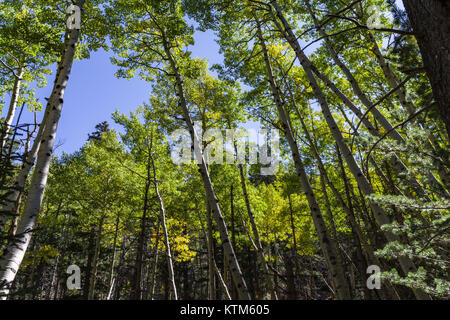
{"points": [[394, 134], [112, 277], [356, 229], [210, 243], [258, 245], [368, 249], [220, 222], [164, 226], [15, 251], [390, 75], [154, 265], [211, 261], [348, 74], [221, 281], [257, 242], [401, 94], [347, 208], [7, 211], [20, 195], [326, 242], [15, 94], [406, 264]]}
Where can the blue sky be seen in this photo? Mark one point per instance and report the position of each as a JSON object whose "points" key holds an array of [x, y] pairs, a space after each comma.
{"points": [[94, 93]]}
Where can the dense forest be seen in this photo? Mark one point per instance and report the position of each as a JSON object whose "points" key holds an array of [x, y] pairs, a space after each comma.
{"points": [[343, 194]]}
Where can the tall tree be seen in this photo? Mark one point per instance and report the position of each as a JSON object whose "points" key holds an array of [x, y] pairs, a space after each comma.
{"points": [[429, 19], [13, 256]]}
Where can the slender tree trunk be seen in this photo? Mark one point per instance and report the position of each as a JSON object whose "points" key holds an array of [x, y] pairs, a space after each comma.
{"points": [[120, 266], [347, 207], [326, 243], [137, 290], [291, 216], [154, 265], [401, 94], [54, 286], [112, 276], [90, 257], [381, 217], [17, 200], [275, 267], [339, 259], [221, 281], [12, 105], [233, 230], [258, 245], [233, 236], [210, 243], [163, 224], [359, 240], [396, 161], [312, 140], [290, 277], [11, 260], [19, 182], [390, 76], [212, 261], [93, 277], [356, 88], [228, 249]]}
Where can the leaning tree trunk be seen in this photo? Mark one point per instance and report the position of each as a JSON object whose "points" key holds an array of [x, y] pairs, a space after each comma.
{"points": [[15, 94], [394, 134], [211, 260], [164, 226], [406, 264], [257, 242], [221, 281], [390, 76], [431, 24], [7, 211], [259, 248], [221, 225], [347, 208], [17, 201], [15, 251], [326, 242]]}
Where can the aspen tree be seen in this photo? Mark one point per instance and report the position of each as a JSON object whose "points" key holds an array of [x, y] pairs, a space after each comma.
{"points": [[12, 258]]}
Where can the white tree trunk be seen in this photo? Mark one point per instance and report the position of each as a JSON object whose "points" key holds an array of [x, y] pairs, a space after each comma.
{"points": [[15, 251], [400, 92], [166, 234], [13, 105], [18, 186], [326, 242], [406, 264], [226, 243], [258, 246]]}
